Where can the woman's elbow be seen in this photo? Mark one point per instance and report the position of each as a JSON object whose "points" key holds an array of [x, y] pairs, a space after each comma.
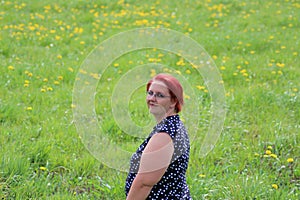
{"points": [[143, 182]]}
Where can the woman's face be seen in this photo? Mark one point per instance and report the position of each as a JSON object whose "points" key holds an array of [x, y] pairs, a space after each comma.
{"points": [[159, 99]]}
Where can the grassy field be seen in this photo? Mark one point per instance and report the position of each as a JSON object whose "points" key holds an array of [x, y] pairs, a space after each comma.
{"points": [[255, 45]]}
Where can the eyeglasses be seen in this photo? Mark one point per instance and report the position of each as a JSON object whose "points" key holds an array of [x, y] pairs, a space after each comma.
{"points": [[156, 95]]}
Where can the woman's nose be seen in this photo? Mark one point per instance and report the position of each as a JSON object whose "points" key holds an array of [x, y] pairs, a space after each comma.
{"points": [[151, 97]]}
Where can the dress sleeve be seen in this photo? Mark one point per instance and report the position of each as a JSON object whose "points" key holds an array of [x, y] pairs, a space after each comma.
{"points": [[178, 135], [169, 128]]}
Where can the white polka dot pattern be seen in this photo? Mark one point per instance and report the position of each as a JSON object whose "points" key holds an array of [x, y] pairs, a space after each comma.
{"points": [[172, 185]]}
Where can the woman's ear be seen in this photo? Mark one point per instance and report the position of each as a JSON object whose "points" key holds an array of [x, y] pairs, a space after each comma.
{"points": [[173, 103]]}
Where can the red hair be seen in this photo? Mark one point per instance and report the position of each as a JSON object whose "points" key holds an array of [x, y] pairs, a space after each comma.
{"points": [[173, 86]]}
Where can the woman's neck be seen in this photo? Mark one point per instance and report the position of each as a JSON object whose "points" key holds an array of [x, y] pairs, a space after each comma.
{"points": [[159, 118]]}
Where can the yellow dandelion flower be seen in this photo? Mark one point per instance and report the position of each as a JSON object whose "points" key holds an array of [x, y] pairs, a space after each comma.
{"points": [[43, 168], [49, 89], [26, 85], [295, 90], [11, 68], [78, 30], [222, 67], [290, 160], [160, 55], [269, 147], [202, 175], [82, 42], [243, 71], [30, 74], [45, 80], [180, 62], [59, 56], [153, 72], [273, 155], [281, 65], [57, 37], [268, 152], [70, 69], [186, 96], [275, 186], [43, 90], [56, 82], [82, 71], [178, 72], [151, 59], [200, 87], [29, 108], [47, 7], [215, 57], [95, 76], [188, 71], [116, 65], [195, 66], [73, 106], [60, 78]]}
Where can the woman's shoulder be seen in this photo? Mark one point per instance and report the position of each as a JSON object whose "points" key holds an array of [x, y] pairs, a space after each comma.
{"points": [[170, 125]]}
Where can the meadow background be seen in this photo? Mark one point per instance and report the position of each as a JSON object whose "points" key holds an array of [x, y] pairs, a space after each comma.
{"points": [[254, 43]]}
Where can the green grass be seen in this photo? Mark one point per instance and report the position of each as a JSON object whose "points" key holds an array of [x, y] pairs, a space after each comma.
{"points": [[254, 44]]}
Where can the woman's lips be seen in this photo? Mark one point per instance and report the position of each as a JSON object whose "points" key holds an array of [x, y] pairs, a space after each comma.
{"points": [[152, 104]]}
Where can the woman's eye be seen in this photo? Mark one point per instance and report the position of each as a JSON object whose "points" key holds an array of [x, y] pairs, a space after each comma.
{"points": [[150, 93], [159, 95]]}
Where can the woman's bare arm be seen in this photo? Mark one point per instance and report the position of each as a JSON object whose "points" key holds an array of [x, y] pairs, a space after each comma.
{"points": [[154, 162]]}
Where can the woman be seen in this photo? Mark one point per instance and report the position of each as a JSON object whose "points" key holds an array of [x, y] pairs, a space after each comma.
{"points": [[157, 169]]}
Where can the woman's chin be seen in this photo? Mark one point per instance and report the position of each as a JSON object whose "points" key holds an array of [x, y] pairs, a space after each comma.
{"points": [[156, 111], [153, 110]]}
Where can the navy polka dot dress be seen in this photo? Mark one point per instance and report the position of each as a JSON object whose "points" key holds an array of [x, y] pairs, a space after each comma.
{"points": [[172, 185]]}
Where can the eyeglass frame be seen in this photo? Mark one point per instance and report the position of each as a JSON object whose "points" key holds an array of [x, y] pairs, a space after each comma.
{"points": [[156, 95]]}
